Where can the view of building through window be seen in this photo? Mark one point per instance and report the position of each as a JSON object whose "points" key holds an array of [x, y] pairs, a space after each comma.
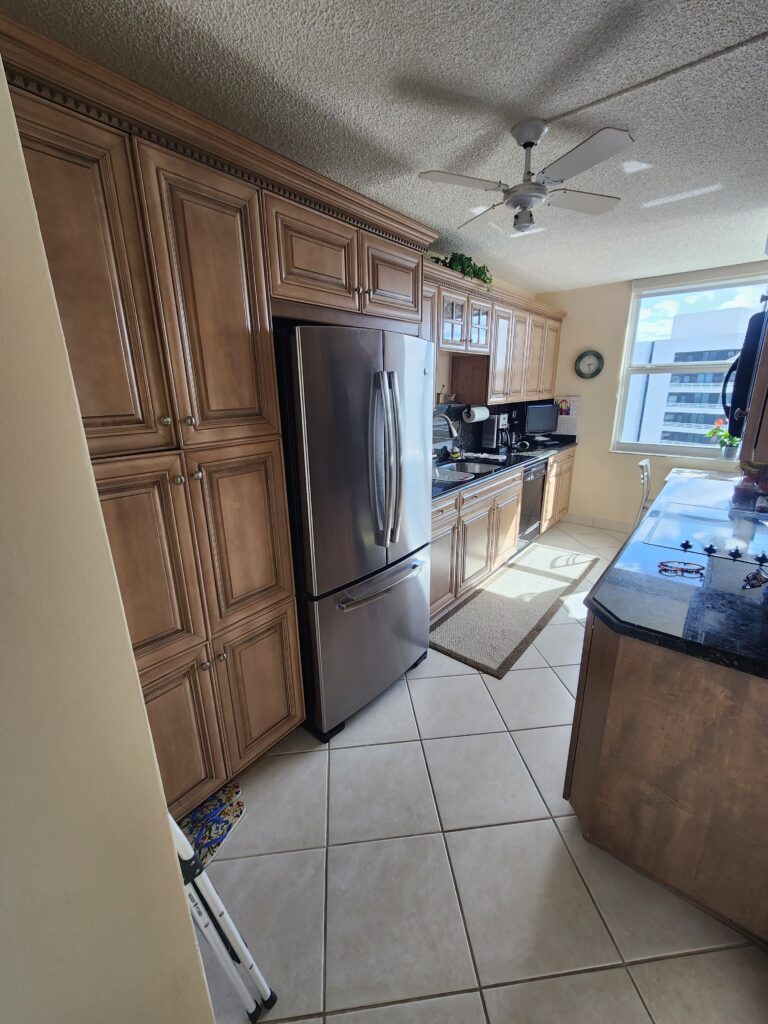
{"points": [[683, 345]]}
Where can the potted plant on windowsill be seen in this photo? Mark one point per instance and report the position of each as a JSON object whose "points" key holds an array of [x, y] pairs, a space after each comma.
{"points": [[729, 445]]}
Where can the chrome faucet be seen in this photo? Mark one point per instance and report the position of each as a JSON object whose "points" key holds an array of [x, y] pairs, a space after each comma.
{"points": [[441, 416]]}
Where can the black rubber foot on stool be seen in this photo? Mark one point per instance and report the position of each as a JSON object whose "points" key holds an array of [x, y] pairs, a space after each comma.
{"points": [[255, 1014], [269, 1003]]}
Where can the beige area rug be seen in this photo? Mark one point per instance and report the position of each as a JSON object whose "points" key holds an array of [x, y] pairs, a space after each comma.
{"points": [[495, 625]]}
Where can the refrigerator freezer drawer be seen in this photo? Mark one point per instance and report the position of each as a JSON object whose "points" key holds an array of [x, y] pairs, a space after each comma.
{"points": [[365, 637]]}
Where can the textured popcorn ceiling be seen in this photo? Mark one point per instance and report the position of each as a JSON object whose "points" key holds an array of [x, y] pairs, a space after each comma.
{"points": [[369, 93]]}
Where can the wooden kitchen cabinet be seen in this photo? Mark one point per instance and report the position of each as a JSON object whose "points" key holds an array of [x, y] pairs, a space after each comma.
{"points": [[443, 555], [501, 350], [239, 507], [479, 326], [452, 328], [506, 523], [391, 278], [429, 317], [537, 333], [557, 488], [186, 731], [83, 186], [205, 231], [259, 679], [144, 504], [475, 557], [549, 359]]}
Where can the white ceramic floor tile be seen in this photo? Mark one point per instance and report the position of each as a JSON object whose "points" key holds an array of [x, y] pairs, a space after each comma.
{"points": [[561, 644], [379, 791], [453, 706], [276, 902], [285, 803], [729, 987], [297, 742], [481, 780], [530, 698], [598, 997], [545, 751], [438, 664], [645, 919], [527, 911], [569, 675], [393, 924], [530, 658], [387, 719], [466, 1008]]}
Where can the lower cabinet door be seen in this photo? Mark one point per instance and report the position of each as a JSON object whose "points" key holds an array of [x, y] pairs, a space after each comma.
{"points": [[475, 544], [564, 476], [259, 680], [443, 559], [507, 523], [549, 502], [181, 707]]}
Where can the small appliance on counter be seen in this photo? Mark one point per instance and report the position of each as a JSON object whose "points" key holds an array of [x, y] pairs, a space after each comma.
{"points": [[496, 434]]}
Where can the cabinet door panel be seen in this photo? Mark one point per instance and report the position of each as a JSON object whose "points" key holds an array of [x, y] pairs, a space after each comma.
{"points": [[501, 352], [429, 317], [549, 502], [181, 708], [517, 356], [391, 278], [451, 326], [241, 518], [563, 499], [81, 179], [442, 563], [534, 356], [475, 544], [150, 536], [549, 359], [259, 680], [312, 257], [206, 239], [507, 523], [479, 323]]}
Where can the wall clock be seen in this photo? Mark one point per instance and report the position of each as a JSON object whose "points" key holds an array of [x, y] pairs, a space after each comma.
{"points": [[589, 364]]}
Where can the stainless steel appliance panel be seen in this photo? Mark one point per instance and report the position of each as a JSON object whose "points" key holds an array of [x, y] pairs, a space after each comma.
{"points": [[409, 365], [366, 636], [343, 406]]}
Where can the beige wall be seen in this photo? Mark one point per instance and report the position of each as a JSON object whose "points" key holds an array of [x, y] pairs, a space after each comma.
{"points": [[94, 922], [606, 487]]}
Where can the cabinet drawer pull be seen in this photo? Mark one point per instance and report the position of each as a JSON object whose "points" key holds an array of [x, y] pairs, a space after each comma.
{"points": [[205, 665], [197, 475], [190, 421], [179, 480], [165, 421], [471, 497], [222, 656]]}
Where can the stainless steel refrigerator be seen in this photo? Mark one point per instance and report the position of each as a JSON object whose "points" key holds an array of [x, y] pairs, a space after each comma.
{"points": [[362, 434]]}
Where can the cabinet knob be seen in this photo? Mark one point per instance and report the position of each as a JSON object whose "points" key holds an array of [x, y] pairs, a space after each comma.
{"points": [[369, 292], [165, 421], [359, 290], [190, 421], [197, 475], [179, 480], [205, 665], [222, 656]]}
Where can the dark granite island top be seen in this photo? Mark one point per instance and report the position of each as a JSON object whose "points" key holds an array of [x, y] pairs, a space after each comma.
{"points": [[707, 613]]}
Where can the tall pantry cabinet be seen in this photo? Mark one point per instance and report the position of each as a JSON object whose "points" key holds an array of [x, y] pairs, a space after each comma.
{"points": [[156, 263]]}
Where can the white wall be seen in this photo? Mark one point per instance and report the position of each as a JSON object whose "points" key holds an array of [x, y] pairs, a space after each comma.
{"points": [[606, 485], [94, 927]]}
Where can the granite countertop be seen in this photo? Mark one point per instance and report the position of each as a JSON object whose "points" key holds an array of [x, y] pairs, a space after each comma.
{"points": [[706, 613], [515, 460]]}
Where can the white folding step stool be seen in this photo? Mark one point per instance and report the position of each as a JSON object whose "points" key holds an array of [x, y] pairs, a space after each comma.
{"points": [[219, 931]]}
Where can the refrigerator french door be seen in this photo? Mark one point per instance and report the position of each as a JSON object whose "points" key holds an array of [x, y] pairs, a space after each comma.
{"points": [[363, 429]]}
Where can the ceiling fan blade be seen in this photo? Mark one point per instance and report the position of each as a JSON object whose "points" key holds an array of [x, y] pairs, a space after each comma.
{"points": [[446, 178], [479, 215], [598, 147], [582, 202]]}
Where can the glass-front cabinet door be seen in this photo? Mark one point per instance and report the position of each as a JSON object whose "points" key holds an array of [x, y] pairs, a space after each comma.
{"points": [[453, 315], [479, 339]]}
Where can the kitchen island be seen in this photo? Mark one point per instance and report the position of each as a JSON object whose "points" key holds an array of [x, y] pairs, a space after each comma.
{"points": [[668, 761]]}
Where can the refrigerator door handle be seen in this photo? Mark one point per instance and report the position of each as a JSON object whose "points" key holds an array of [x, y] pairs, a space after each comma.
{"points": [[349, 604], [377, 488], [397, 418], [389, 456]]}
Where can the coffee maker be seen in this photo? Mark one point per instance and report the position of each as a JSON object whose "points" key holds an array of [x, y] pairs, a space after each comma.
{"points": [[496, 434]]}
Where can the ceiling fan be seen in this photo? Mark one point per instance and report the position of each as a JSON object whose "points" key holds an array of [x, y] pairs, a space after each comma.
{"points": [[546, 186]]}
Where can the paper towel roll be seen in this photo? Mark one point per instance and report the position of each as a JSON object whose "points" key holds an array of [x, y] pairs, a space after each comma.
{"points": [[475, 414]]}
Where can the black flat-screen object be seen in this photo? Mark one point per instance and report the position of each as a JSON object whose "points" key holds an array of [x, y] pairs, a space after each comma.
{"points": [[541, 419]]}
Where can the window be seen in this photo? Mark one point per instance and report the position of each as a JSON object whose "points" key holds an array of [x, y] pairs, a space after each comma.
{"points": [[666, 408]]}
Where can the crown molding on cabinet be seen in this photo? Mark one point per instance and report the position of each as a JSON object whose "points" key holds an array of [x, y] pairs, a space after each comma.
{"points": [[40, 65], [443, 277]]}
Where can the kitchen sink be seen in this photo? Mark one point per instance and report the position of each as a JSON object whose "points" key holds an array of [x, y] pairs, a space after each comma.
{"points": [[450, 474], [475, 468]]}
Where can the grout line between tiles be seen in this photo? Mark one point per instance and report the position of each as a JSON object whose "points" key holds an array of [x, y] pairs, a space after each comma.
{"points": [[325, 893]]}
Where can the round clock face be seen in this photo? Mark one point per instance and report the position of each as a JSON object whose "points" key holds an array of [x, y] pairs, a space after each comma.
{"points": [[589, 364]]}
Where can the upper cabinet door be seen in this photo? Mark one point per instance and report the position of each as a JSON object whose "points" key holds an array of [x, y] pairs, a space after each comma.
{"points": [[206, 241], [311, 257], [452, 321], [534, 355], [521, 323], [549, 359], [498, 373], [391, 278], [145, 511], [429, 316], [83, 187], [239, 505], [479, 333]]}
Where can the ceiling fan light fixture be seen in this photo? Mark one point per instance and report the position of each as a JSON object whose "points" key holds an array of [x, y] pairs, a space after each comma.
{"points": [[524, 220]]}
